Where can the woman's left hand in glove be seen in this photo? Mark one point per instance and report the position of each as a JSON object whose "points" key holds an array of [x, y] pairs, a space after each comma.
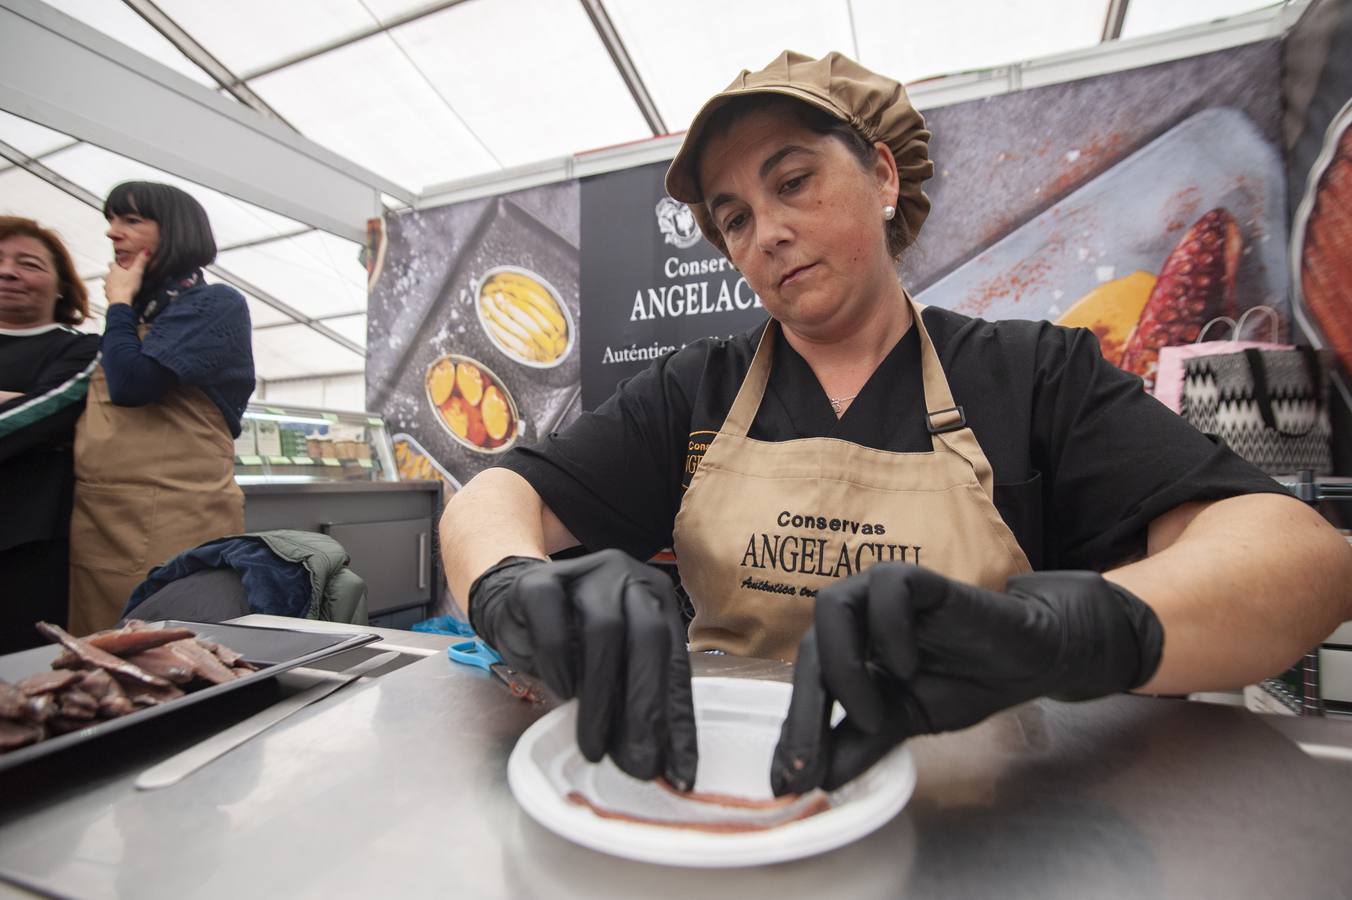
{"points": [[908, 651]]}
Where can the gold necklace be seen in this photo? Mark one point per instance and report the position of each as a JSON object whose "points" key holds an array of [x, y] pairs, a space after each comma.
{"points": [[838, 403]]}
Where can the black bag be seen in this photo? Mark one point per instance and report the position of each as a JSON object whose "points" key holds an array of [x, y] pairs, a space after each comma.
{"points": [[1269, 406]]}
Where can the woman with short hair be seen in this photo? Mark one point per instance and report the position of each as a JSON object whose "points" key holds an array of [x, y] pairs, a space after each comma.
{"points": [[45, 365], [935, 516], [154, 449]]}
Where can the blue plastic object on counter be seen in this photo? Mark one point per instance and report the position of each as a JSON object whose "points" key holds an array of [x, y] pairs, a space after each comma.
{"points": [[443, 625], [474, 653]]}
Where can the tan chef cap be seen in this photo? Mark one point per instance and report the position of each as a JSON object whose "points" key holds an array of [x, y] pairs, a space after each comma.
{"points": [[874, 105]]}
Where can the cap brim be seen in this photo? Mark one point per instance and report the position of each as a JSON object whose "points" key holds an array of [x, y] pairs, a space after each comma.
{"points": [[682, 181]]}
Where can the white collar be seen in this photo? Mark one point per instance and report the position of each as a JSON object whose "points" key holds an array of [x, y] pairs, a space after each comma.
{"points": [[31, 332]]}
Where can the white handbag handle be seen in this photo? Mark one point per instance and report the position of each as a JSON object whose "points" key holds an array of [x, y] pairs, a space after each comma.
{"points": [[1237, 328], [1272, 317], [1201, 335]]}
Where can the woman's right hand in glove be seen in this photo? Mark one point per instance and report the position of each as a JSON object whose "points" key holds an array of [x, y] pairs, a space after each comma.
{"points": [[607, 629], [908, 651]]}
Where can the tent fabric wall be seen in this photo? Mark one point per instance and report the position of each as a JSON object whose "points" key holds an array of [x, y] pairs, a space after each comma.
{"points": [[1059, 201]]}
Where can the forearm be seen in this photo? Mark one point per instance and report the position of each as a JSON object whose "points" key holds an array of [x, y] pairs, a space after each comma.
{"points": [[496, 515], [1243, 588], [54, 429], [134, 379], [46, 415]]}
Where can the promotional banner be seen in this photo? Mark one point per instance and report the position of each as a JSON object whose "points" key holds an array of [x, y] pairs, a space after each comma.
{"points": [[1139, 204], [474, 329], [1091, 203], [650, 282], [1003, 161]]}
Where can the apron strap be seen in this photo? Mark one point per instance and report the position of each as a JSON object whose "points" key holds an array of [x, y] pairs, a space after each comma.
{"points": [[945, 420], [752, 391]]}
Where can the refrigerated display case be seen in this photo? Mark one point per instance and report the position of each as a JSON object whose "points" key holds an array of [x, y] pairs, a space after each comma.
{"points": [[334, 473], [299, 445]]}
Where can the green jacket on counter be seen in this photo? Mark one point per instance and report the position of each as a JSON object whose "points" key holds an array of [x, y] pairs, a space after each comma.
{"points": [[337, 594], [302, 574]]}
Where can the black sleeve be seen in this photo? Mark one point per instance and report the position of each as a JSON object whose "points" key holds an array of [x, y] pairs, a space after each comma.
{"points": [[46, 414], [611, 476], [134, 379], [1117, 457]]}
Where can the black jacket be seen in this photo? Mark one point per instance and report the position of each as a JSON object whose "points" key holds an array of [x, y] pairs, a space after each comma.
{"points": [[50, 367]]}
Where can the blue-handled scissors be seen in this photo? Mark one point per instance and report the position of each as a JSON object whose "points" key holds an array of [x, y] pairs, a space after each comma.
{"points": [[478, 654]]}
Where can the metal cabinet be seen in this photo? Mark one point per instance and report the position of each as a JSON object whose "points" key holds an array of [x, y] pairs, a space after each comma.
{"points": [[393, 557], [387, 528]]}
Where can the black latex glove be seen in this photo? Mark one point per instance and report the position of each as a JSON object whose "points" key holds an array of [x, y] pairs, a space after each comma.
{"points": [[907, 651], [607, 629]]}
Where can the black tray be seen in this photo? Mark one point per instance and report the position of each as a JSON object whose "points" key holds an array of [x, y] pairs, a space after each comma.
{"points": [[273, 650]]}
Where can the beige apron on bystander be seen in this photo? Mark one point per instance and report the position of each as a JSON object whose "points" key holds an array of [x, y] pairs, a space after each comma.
{"points": [[150, 482]]}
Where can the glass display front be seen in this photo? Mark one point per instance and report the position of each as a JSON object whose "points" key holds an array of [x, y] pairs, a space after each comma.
{"points": [[294, 444]]}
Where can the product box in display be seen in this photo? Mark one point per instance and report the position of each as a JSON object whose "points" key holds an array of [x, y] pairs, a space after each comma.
{"points": [[269, 438], [246, 445]]}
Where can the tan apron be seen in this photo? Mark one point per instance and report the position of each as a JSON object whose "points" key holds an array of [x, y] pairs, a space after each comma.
{"points": [[150, 482], [764, 525]]}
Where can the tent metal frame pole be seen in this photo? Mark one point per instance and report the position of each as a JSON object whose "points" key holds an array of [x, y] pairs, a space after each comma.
{"points": [[421, 12], [201, 57], [61, 73], [86, 197], [624, 64], [1112, 22]]}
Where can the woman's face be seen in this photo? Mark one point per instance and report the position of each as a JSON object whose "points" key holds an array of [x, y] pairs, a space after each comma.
{"points": [[131, 234], [28, 283], [802, 220]]}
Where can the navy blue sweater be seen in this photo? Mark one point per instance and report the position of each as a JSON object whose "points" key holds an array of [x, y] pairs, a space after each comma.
{"points": [[134, 379], [202, 339]]}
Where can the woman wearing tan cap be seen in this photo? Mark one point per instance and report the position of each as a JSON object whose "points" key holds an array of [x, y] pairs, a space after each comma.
{"points": [[916, 504]]}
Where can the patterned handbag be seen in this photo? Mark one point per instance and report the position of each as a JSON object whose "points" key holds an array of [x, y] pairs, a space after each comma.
{"points": [[1168, 387], [1269, 406]]}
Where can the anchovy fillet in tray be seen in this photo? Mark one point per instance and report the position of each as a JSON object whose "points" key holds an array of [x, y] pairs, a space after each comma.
{"points": [[256, 653]]}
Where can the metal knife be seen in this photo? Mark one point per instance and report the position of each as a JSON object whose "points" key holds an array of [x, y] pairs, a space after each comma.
{"points": [[180, 765]]}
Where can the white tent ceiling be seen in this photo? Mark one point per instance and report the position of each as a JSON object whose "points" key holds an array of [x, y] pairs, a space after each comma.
{"points": [[429, 94]]}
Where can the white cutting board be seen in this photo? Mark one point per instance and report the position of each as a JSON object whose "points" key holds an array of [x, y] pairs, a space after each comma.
{"points": [[1129, 217]]}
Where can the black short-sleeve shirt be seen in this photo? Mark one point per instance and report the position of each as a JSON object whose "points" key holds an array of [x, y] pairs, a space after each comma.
{"points": [[1083, 458]]}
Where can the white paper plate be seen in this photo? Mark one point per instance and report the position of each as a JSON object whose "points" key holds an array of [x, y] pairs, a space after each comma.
{"points": [[738, 722]]}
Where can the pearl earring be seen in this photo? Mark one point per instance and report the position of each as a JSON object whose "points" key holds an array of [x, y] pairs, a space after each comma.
{"points": [[889, 212]]}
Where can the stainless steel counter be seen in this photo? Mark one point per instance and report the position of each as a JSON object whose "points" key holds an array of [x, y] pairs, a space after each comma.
{"points": [[397, 788]]}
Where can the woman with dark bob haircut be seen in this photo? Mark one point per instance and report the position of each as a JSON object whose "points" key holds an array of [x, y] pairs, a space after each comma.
{"points": [[45, 366], [154, 450]]}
